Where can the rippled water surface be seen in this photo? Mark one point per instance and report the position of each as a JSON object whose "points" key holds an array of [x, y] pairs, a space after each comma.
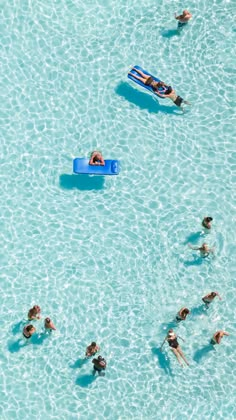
{"points": [[107, 257]]}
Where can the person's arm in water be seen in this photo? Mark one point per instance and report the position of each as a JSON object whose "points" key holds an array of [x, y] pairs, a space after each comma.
{"points": [[178, 336], [177, 17], [195, 248], [217, 294], [161, 95], [163, 344], [187, 16]]}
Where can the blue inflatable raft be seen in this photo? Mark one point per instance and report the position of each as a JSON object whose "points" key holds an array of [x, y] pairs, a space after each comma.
{"points": [[81, 166], [161, 89]]}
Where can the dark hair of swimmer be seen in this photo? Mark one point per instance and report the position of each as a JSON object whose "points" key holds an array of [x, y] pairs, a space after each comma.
{"points": [[93, 344], [213, 294], [48, 320], [209, 219], [168, 90], [29, 327], [186, 311]]}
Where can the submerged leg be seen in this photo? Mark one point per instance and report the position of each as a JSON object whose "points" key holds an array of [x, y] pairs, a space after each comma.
{"points": [[182, 355], [177, 356]]}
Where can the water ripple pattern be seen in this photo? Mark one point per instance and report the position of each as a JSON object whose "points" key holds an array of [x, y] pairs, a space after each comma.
{"points": [[107, 258]]}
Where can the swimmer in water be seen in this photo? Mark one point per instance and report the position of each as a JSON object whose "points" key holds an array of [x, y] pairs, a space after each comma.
{"points": [[205, 251], [171, 94], [171, 338], [28, 331], [48, 324], [206, 223], [34, 313], [99, 365], [96, 159], [182, 314], [147, 80], [92, 349], [183, 19], [210, 297], [217, 337]]}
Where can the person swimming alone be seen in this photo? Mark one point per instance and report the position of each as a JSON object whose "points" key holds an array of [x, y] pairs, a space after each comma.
{"points": [[204, 249], [183, 19], [206, 223]]}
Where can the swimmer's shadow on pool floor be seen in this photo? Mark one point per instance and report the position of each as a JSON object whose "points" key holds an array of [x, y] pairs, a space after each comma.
{"points": [[79, 363], [36, 339], [163, 359], [85, 380], [194, 237], [203, 352], [196, 261], [144, 100], [170, 33], [81, 182]]}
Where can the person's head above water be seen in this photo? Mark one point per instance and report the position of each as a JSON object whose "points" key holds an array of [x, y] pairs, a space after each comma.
{"points": [[29, 328], [171, 333], [34, 312], [168, 90], [186, 311], [206, 223]]}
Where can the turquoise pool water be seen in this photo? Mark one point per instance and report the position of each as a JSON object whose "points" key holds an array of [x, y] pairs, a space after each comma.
{"points": [[107, 258]]}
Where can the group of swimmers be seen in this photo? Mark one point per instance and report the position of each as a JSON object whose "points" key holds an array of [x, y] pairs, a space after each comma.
{"points": [[34, 314], [99, 363], [204, 249], [172, 338], [96, 158]]}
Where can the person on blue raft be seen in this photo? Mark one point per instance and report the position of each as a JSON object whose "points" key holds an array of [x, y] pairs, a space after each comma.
{"points": [[168, 91], [96, 158], [147, 80], [96, 165]]}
